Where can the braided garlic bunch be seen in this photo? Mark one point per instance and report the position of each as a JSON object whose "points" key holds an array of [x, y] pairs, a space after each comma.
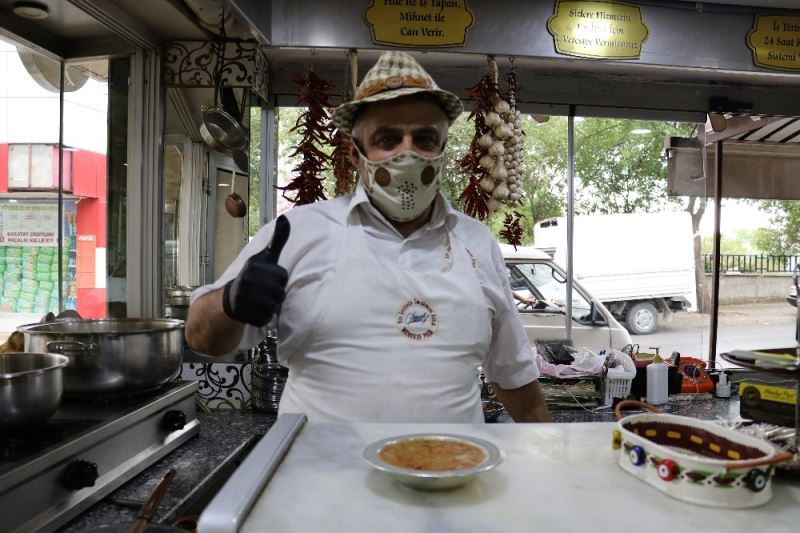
{"points": [[504, 157]]}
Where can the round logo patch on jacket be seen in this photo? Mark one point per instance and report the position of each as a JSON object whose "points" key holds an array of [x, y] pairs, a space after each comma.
{"points": [[417, 319]]}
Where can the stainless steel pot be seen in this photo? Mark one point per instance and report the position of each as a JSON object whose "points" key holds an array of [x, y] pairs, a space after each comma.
{"points": [[176, 301], [31, 385], [118, 355]]}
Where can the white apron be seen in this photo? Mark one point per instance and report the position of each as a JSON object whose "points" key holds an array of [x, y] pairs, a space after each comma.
{"points": [[393, 345]]}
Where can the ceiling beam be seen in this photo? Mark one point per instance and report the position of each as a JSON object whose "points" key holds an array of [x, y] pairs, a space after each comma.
{"points": [[119, 22]]}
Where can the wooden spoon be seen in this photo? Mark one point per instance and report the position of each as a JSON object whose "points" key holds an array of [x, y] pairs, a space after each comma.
{"points": [[150, 506]]}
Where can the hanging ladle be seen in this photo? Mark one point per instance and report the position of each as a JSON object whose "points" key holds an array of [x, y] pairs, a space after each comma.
{"points": [[234, 203]]}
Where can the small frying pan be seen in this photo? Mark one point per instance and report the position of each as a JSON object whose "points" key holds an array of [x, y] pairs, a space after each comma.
{"points": [[234, 203]]}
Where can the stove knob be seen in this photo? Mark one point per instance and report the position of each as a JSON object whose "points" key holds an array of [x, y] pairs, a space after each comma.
{"points": [[173, 420], [79, 474]]}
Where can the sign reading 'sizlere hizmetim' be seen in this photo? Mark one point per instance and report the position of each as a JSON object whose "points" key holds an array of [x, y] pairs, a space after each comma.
{"points": [[775, 42], [603, 30], [422, 23]]}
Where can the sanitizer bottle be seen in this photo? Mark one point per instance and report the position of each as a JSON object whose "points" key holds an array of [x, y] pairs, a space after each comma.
{"points": [[657, 382]]}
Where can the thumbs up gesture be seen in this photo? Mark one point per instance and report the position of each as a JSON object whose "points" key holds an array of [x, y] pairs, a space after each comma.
{"points": [[257, 292]]}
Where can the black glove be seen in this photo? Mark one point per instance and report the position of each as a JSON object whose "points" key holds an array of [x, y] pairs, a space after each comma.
{"points": [[258, 291]]}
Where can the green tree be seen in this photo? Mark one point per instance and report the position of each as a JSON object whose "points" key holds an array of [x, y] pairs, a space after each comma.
{"points": [[620, 171], [254, 196], [783, 235]]}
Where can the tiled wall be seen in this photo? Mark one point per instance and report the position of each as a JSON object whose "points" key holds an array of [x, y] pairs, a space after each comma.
{"points": [[222, 385]]}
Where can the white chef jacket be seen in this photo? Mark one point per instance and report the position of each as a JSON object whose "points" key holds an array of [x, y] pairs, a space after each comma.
{"points": [[311, 252]]}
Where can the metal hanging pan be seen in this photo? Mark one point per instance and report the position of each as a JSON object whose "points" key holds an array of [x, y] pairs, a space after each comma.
{"points": [[221, 122]]}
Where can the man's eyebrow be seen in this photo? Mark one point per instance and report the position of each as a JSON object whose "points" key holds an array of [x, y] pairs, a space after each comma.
{"points": [[388, 130], [384, 130]]}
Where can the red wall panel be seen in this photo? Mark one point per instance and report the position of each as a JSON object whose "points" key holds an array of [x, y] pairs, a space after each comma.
{"points": [[3, 168]]}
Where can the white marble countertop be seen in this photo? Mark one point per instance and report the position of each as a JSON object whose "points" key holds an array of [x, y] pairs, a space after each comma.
{"points": [[555, 477]]}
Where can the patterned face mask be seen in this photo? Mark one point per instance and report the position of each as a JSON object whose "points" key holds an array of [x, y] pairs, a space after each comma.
{"points": [[403, 186]]}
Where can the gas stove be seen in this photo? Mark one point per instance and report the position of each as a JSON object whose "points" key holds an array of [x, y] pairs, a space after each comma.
{"points": [[90, 447]]}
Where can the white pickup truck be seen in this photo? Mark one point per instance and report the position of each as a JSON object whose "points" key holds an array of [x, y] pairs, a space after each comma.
{"points": [[641, 266], [532, 272]]}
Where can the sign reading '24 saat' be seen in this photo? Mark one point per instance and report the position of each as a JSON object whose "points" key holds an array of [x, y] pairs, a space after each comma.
{"points": [[603, 30], [775, 42]]}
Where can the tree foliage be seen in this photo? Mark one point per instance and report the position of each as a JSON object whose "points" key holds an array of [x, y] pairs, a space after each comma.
{"points": [[783, 235]]}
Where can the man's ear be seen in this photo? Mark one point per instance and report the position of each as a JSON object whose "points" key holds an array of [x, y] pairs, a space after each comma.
{"points": [[355, 158]]}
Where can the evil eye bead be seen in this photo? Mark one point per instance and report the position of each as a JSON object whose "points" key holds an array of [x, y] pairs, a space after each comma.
{"points": [[666, 469], [637, 455], [755, 480], [616, 440]]}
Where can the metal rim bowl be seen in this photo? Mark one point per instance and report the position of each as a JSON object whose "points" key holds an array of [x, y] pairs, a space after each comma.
{"points": [[224, 128], [433, 480], [31, 386]]}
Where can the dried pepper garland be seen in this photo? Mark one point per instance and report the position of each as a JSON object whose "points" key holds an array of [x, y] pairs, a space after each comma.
{"points": [[475, 198], [343, 169], [512, 229], [317, 132]]}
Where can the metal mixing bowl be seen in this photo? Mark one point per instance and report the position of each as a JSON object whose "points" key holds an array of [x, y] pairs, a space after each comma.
{"points": [[434, 480], [31, 385]]}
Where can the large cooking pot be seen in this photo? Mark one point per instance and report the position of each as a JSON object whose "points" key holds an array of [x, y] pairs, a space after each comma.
{"points": [[117, 355], [31, 385]]}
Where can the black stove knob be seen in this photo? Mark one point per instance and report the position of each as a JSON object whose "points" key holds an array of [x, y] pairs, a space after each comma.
{"points": [[79, 474], [173, 420]]}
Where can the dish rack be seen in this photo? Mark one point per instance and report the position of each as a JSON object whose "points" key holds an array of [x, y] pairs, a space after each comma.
{"points": [[618, 384]]}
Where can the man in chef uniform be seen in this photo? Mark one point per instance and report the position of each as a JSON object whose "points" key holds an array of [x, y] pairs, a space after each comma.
{"points": [[387, 300]]}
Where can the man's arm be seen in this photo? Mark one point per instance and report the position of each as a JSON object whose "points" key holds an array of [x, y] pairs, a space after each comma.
{"points": [[208, 328], [524, 404]]}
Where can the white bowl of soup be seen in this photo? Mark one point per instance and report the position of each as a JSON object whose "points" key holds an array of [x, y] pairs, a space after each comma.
{"points": [[433, 461]]}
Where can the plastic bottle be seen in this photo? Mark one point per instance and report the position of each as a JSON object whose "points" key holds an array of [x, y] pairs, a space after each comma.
{"points": [[723, 387], [657, 382]]}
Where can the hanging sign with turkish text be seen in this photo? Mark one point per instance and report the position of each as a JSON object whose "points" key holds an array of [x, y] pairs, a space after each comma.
{"points": [[775, 42], [28, 224], [602, 30], [419, 23]]}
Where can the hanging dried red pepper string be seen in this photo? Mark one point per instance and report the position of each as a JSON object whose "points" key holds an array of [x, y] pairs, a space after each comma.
{"points": [[474, 198], [343, 169], [317, 131]]}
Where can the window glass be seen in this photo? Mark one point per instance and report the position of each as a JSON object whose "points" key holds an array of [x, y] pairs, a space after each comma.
{"points": [[53, 200], [547, 286]]}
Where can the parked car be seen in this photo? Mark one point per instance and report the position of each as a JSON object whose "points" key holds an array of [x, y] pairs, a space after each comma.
{"points": [[532, 273], [792, 296]]}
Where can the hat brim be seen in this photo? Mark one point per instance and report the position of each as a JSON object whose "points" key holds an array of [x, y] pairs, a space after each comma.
{"points": [[344, 115]]}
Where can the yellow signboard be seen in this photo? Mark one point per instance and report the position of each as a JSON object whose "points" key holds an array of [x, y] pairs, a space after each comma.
{"points": [[775, 42], [419, 23], [605, 30]]}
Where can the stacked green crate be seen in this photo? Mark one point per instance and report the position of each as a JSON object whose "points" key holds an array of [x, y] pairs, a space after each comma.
{"points": [[29, 276], [2, 276], [69, 254], [27, 282], [12, 277]]}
